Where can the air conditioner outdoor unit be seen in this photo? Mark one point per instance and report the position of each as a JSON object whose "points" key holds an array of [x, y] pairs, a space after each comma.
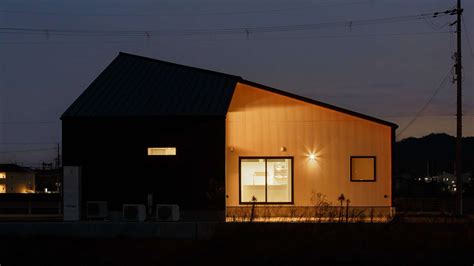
{"points": [[167, 212], [96, 210], [133, 212]]}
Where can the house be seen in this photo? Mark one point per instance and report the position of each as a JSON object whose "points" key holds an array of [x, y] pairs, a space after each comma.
{"points": [[16, 179], [210, 141]]}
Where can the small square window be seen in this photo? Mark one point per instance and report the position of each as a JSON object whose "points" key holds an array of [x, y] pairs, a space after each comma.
{"points": [[168, 151], [363, 168], [3, 175]]}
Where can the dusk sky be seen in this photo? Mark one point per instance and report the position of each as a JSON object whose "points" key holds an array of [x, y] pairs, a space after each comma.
{"points": [[386, 70]]}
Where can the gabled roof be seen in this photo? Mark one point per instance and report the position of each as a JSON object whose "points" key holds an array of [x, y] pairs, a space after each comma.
{"points": [[9, 167], [136, 86]]}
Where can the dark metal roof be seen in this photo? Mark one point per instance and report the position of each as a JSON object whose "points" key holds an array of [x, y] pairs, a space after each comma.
{"points": [[135, 86], [9, 167]]}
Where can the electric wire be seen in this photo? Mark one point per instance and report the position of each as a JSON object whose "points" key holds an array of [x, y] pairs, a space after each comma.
{"points": [[423, 108], [467, 35], [222, 31], [307, 37]]}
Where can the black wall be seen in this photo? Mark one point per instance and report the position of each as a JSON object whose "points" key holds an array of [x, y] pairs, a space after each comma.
{"points": [[116, 168]]}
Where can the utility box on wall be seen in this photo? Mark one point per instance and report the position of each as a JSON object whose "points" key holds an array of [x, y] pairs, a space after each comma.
{"points": [[72, 193]]}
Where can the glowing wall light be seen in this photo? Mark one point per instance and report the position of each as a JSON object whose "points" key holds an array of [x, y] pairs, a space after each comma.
{"points": [[312, 157]]}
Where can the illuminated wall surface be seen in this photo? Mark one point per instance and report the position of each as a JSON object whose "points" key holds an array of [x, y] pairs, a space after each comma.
{"points": [[320, 142]]}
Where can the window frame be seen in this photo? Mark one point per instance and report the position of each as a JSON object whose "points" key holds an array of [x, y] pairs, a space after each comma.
{"points": [[291, 202], [364, 157]]}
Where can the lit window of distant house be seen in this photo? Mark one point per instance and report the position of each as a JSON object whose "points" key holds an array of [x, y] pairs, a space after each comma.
{"points": [[266, 180], [363, 168], [159, 151], [3, 175], [3, 188]]}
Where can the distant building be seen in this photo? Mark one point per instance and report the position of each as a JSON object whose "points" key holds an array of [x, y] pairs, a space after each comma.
{"points": [[16, 179], [446, 179]]}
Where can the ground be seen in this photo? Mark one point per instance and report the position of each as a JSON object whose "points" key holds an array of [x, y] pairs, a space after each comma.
{"points": [[395, 243]]}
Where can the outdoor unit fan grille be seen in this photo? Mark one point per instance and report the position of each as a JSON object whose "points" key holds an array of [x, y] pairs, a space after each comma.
{"points": [[167, 212], [133, 212]]}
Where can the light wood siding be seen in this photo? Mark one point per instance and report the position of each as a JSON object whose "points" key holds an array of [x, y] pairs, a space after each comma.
{"points": [[259, 122]]}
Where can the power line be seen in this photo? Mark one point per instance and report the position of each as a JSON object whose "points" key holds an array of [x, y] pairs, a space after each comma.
{"points": [[221, 31], [422, 115], [467, 36], [427, 103], [333, 36]]}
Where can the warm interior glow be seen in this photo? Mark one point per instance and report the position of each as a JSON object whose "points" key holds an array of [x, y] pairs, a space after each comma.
{"points": [[3, 175], [266, 180], [168, 151], [3, 188], [253, 180], [312, 156], [362, 169]]}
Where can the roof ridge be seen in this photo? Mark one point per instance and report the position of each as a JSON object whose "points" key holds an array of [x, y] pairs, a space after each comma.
{"points": [[180, 65]]}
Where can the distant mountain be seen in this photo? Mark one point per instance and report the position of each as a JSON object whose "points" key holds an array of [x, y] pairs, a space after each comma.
{"points": [[414, 155]]}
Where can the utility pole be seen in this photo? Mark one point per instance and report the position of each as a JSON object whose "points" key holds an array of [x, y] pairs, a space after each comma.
{"points": [[458, 69], [58, 158]]}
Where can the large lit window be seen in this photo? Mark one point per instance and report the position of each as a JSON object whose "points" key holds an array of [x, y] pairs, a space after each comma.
{"points": [[168, 151], [363, 168], [3, 175], [3, 188], [266, 180]]}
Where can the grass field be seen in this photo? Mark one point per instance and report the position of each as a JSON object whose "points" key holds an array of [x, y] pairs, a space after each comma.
{"points": [[262, 244]]}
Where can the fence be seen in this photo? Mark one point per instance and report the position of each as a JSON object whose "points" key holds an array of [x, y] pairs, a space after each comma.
{"points": [[30, 208], [432, 205]]}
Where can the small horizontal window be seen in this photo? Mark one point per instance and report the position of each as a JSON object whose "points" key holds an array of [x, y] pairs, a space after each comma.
{"points": [[169, 151]]}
